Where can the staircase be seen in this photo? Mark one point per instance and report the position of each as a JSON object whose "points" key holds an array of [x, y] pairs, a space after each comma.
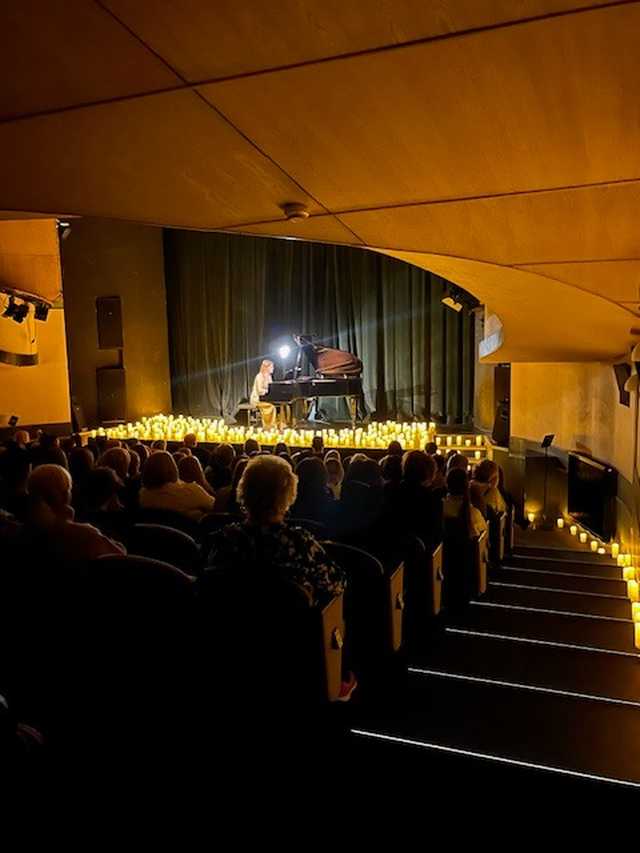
{"points": [[533, 688]]}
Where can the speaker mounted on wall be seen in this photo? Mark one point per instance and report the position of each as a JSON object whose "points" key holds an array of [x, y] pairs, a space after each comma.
{"points": [[109, 319], [622, 372]]}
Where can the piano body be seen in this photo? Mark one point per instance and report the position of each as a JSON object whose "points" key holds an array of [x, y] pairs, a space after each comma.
{"points": [[338, 373]]}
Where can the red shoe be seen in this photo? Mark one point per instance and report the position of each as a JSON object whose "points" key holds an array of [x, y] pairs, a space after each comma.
{"points": [[347, 688]]}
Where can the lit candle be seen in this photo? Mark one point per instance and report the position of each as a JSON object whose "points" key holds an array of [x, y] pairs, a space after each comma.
{"points": [[583, 538], [632, 590], [438, 440], [467, 442], [478, 439], [636, 631], [629, 573], [449, 441], [459, 440], [560, 523], [477, 454], [601, 551], [531, 516], [573, 530], [615, 549], [594, 545], [620, 560], [635, 611]]}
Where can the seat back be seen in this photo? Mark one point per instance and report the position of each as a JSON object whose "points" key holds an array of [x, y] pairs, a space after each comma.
{"points": [[167, 519], [373, 603], [459, 563], [497, 528], [268, 639], [318, 529], [167, 544], [481, 563]]}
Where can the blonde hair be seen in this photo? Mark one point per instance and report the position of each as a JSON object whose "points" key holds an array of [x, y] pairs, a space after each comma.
{"points": [[265, 363], [159, 470], [267, 488]]}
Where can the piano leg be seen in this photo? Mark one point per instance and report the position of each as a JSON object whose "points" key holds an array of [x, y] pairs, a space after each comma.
{"points": [[353, 410]]}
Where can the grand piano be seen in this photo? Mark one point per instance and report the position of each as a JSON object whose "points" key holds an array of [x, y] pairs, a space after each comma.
{"points": [[336, 373]]}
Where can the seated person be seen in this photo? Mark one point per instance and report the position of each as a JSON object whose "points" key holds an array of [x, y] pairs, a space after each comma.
{"points": [[47, 451], [314, 498], [335, 475], [15, 467], [81, 463], [439, 482], [51, 522], [484, 487], [191, 442], [190, 471], [417, 509], [457, 460], [431, 448], [266, 490], [163, 489], [317, 446], [457, 504], [101, 504], [251, 446], [394, 449]]}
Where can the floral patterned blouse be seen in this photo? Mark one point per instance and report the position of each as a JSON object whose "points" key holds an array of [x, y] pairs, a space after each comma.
{"points": [[292, 550]]}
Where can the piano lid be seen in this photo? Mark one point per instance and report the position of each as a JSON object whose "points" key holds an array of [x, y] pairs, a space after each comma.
{"points": [[327, 360]]}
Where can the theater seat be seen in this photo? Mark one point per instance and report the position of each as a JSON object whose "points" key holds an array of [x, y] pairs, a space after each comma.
{"points": [[317, 528], [424, 586], [166, 544], [168, 519], [272, 645], [374, 604], [497, 536]]}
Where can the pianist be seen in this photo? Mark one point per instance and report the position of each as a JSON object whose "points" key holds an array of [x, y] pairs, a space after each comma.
{"points": [[260, 388]]}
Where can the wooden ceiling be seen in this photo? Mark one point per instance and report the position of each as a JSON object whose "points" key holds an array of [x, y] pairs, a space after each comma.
{"points": [[493, 141]]}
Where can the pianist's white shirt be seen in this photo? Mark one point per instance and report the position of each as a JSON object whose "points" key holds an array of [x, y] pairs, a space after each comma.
{"points": [[260, 387]]}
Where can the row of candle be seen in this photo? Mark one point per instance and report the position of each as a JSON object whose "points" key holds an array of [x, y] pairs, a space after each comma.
{"points": [[629, 573], [458, 441]]}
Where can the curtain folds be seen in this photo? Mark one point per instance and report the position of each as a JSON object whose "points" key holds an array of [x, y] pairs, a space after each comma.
{"points": [[231, 299]]}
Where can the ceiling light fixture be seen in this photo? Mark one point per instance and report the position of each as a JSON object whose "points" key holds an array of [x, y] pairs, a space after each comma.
{"points": [[295, 212]]}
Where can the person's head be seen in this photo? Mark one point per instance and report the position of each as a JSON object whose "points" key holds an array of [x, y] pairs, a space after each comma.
{"points": [[180, 454], [431, 448], [134, 463], [15, 466], [190, 471], [417, 467], [160, 470], [81, 461], [280, 447], [486, 472], [50, 489], [332, 454], [251, 446], [457, 483], [116, 458], [287, 459], [48, 441], [335, 471], [266, 368], [312, 476], [143, 452], [159, 444], [191, 440], [458, 460], [223, 455], [21, 437], [267, 489], [317, 445], [391, 468], [238, 471], [441, 465], [364, 470], [394, 449], [101, 489], [113, 442]]}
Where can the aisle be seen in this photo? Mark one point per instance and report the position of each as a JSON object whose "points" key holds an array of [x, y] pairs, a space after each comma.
{"points": [[537, 683]]}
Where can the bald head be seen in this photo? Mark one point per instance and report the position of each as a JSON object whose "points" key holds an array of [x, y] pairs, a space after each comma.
{"points": [[50, 484], [21, 437]]}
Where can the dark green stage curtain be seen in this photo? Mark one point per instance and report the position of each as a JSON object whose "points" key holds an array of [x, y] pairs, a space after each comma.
{"points": [[231, 299]]}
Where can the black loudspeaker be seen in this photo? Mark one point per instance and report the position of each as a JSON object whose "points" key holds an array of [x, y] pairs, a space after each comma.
{"points": [[112, 394], [622, 372], [109, 318]]}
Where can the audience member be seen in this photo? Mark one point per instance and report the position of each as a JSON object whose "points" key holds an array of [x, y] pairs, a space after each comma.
{"points": [[15, 467], [251, 446], [233, 505], [431, 448], [335, 475], [457, 460], [162, 489], [47, 451], [484, 487], [266, 491], [457, 504], [81, 463], [391, 469], [394, 449], [280, 448], [190, 471], [201, 453], [159, 444], [51, 519], [417, 510], [317, 446], [314, 498], [439, 482]]}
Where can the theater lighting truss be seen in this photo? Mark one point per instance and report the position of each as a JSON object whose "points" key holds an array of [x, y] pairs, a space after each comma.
{"points": [[18, 305], [456, 298]]}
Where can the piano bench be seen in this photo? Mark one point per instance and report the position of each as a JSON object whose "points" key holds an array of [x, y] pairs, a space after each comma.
{"points": [[247, 415]]}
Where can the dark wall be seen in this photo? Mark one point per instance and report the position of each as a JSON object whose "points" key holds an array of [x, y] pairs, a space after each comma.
{"points": [[104, 258]]}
